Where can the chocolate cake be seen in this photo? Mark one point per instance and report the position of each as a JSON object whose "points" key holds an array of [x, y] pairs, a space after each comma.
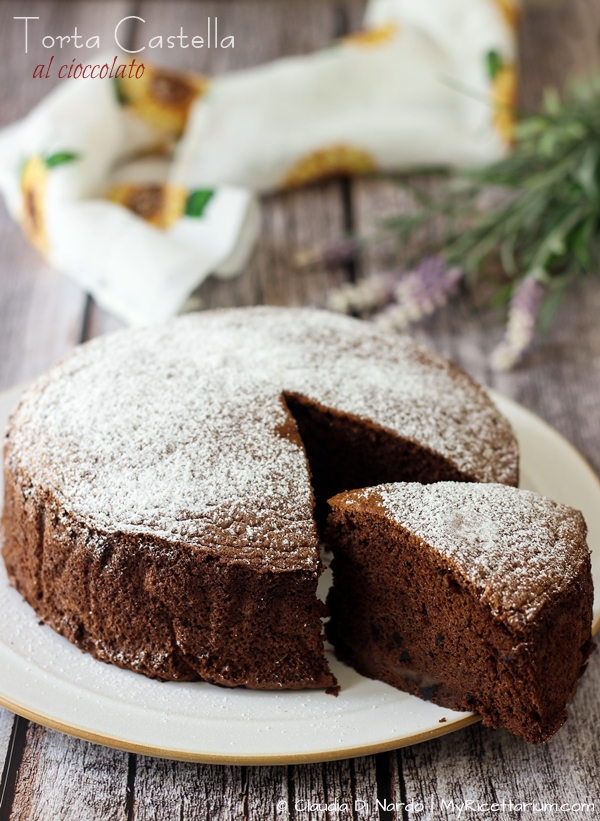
{"points": [[158, 503], [475, 596]]}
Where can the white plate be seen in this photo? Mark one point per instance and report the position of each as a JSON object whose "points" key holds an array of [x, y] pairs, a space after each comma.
{"points": [[47, 679]]}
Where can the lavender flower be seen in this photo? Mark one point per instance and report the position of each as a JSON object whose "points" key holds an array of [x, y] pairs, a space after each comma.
{"points": [[420, 292], [520, 329], [365, 296]]}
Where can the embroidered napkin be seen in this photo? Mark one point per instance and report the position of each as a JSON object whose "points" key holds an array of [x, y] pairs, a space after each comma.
{"points": [[426, 83], [140, 188], [138, 244]]}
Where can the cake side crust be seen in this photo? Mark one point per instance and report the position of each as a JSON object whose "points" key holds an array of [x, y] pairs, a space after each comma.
{"points": [[170, 611]]}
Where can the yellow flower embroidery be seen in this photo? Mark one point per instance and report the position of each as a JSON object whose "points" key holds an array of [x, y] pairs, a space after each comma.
{"points": [[34, 183], [329, 162], [34, 186], [160, 205], [511, 11], [505, 93], [374, 37], [162, 98]]}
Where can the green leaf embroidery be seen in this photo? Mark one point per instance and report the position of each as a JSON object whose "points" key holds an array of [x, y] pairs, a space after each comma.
{"points": [[121, 98], [60, 158], [494, 63], [197, 201]]}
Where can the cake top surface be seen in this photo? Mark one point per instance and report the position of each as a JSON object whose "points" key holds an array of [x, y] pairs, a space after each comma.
{"points": [[515, 547], [175, 431]]}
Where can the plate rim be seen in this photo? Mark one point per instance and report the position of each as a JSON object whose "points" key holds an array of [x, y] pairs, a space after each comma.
{"points": [[241, 760], [331, 754]]}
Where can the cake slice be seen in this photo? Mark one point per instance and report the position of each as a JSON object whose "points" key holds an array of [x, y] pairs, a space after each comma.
{"points": [[475, 596]]}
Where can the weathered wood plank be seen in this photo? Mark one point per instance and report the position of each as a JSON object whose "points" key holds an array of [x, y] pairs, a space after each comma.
{"points": [[267, 794], [309, 789], [558, 41], [290, 221], [264, 30], [188, 792], [7, 728], [364, 787], [338, 780], [68, 779], [177, 790], [6, 725], [330, 790], [100, 321], [560, 378], [13, 757]]}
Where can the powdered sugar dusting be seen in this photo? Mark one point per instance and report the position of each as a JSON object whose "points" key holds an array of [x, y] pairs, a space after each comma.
{"points": [[171, 431], [516, 547]]}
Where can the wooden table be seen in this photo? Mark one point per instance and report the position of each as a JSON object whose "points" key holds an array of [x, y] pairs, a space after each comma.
{"points": [[51, 776]]}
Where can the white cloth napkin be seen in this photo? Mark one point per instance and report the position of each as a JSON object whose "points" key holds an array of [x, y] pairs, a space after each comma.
{"points": [[57, 168], [140, 188], [427, 83]]}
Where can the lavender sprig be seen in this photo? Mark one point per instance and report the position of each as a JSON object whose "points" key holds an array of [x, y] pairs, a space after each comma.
{"points": [[397, 298], [365, 296], [421, 292], [537, 234], [523, 313]]}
